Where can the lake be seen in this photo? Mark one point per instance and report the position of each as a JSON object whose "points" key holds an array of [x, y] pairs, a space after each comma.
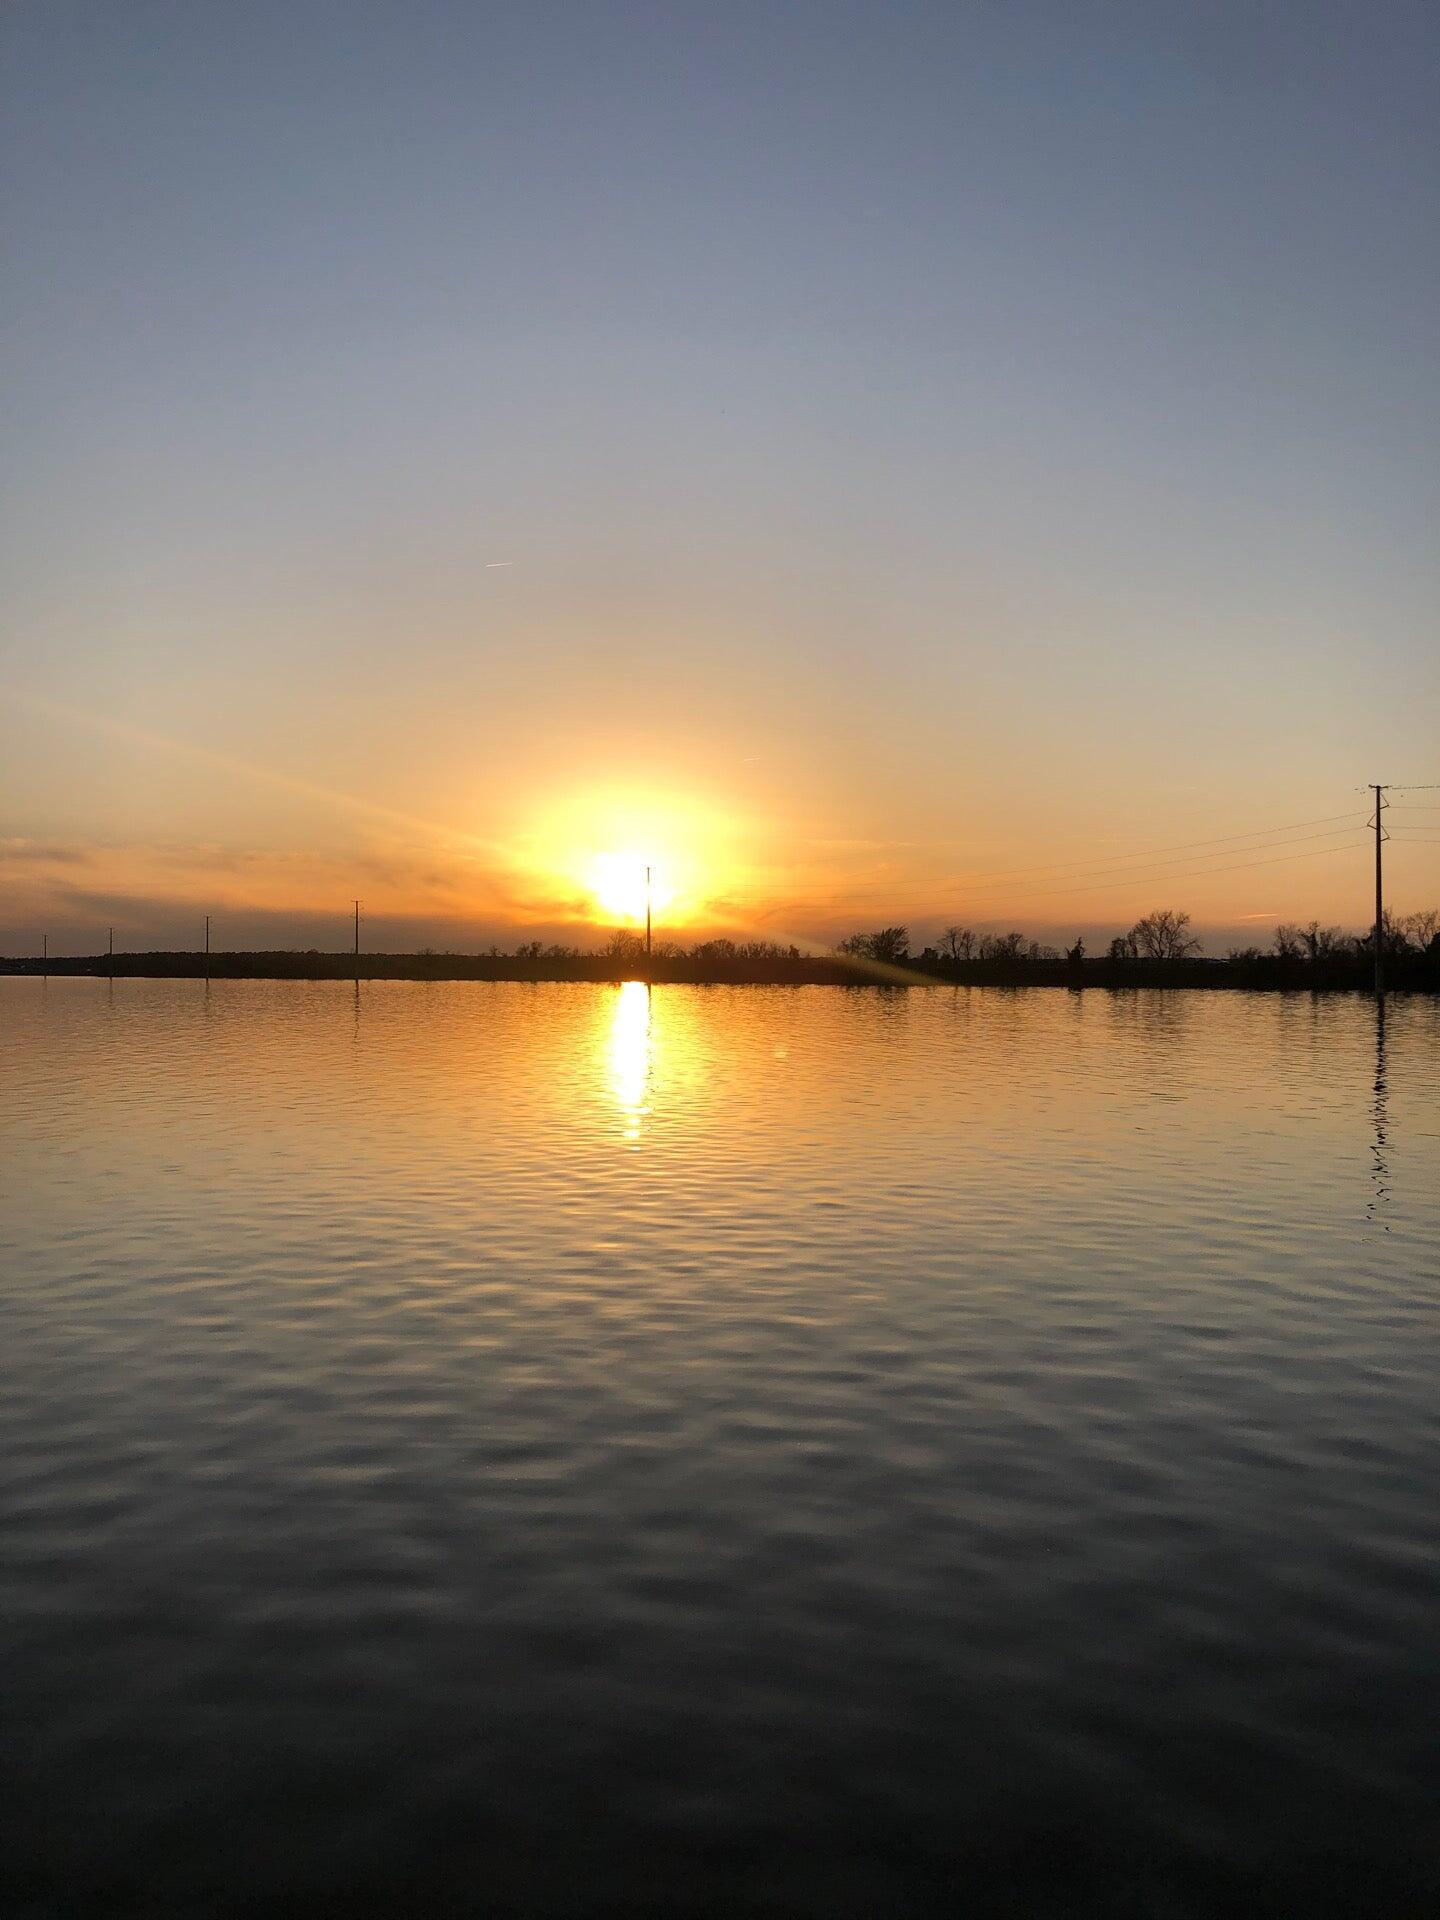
{"points": [[561, 1450]]}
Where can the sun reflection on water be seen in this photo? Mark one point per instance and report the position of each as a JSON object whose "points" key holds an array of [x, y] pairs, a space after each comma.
{"points": [[630, 1045]]}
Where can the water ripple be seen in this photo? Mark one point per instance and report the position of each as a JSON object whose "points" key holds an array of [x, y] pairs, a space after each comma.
{"points": [[552, 1450]]}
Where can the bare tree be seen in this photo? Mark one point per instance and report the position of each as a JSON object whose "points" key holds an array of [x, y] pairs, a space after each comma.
{"points": [[1323, 943], [1289, 942], [1161, 935], [959, 942], [889, 945], [1422, 928], [1394, 935], [1003, 949]]}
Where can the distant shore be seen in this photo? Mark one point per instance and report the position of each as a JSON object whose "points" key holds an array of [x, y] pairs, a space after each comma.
{"points": [[1415, 973]]}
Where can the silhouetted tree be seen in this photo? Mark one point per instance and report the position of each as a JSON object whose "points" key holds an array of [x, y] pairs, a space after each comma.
{"points": [[889, 945], [1123, 947], [958, 942], [1423, 928], [1322, 943], [1003, 949], [1393, 937], [1289, 942], [1161, 935]]}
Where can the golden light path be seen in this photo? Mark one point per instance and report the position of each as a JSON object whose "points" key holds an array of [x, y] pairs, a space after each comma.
{"points": [[630, 1055]]}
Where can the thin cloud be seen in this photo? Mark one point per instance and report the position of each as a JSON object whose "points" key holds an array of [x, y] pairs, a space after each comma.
{"points": [[38, 851], [252, 770]]}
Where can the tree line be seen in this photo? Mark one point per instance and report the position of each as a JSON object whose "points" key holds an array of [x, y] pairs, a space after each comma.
{"points": [[1159, 949], [1163, 935]]}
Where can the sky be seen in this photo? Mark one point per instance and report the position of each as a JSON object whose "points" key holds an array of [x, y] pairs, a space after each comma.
{"points": [[929, 463]]}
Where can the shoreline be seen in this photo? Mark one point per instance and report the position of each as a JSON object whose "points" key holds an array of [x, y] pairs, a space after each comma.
{"points": [[1266, 973]]}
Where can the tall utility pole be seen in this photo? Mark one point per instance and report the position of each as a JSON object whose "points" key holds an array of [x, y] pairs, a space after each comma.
{"points": [[1379, 897], [647, 913], [207, 946], [357, 942]]}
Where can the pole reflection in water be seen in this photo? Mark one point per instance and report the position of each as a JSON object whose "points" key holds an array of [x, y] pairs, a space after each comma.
{"points": [[630, 1045], [1380, 1170]]}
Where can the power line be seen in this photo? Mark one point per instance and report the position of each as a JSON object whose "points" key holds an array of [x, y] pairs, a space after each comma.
{"points": [[1170, 869], [1159, 869], [1218, 841], [1199, 873], [1333, 834]]}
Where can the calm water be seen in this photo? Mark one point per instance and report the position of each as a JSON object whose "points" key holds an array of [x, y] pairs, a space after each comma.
{"points": [[506, 1449]]}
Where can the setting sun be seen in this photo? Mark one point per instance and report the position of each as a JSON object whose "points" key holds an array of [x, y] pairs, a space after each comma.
{"points": [[618, 883], [597, 847]]}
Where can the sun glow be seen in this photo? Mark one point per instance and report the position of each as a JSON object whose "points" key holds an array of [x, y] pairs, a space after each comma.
{"points": [[601, 847], [623, 884]]}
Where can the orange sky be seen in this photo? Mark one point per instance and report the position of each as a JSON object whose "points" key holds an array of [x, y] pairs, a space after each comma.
{"points": [[277, 854]]}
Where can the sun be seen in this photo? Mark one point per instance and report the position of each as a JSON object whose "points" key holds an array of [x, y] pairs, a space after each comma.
{"points": [[617, 881]]}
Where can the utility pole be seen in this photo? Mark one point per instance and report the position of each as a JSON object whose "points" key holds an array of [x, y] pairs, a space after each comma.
{"points": [[1379, 898], [647, 913], [207, 946], [357, 943]]}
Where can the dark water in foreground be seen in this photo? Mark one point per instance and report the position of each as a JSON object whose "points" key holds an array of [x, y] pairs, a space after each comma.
{"points": [[503, 1449]]}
